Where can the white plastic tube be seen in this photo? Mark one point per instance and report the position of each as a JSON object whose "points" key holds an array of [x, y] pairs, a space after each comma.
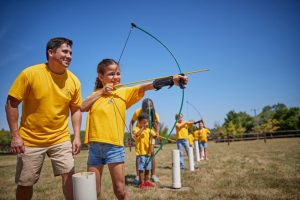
{"points": [[191, 159], [202, 153], [197, 153], [84, 186], [176, 179]]}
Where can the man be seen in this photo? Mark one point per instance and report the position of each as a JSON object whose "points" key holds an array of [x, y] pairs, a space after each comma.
{"points": [[48, 92]]}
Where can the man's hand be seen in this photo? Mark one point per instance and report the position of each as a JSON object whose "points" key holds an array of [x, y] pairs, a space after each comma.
{"points": [[17, 144], [76, 146]]}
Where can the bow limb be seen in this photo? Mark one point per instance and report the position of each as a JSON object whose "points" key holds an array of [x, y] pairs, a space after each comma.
{"points": [[182, 97]]}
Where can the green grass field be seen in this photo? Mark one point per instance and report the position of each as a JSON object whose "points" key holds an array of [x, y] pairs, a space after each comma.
{"points": [[242, 170]]}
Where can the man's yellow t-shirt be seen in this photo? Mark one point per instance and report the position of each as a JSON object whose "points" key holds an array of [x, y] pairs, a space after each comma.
{"points": [[182, 133], [47, 98], [137, 113], [107, 116], [142, 142], [203, 134]]}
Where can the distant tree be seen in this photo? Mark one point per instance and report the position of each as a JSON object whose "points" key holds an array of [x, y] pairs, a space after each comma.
{"points": [[270, 126], [163, 130], [230, 128], [242, 121], [218, 130], [5, 137]]}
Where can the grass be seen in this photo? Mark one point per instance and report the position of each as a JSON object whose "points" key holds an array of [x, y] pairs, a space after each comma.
{"points": [[242, 170]]}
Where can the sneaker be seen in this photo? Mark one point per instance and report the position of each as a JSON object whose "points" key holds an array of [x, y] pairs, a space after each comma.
{"points": [[155, 179], [149, 184], [142, 185], [136, 181]]}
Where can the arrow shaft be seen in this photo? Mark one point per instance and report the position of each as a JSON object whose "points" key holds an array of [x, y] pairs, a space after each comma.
{"points": [[151, 79]]}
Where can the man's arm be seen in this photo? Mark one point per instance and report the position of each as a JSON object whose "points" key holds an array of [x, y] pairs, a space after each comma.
{"points": [[76, 117], [12, 115]]}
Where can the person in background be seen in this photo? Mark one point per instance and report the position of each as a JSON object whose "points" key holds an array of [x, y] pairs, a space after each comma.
{"points": [[182, 136], [147, 105], [143, 136], [48, 93], [203, 133]]}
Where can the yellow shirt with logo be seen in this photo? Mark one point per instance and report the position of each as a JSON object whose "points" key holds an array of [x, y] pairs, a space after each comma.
{"points": [[182, 133], [142, 142], [203, 134], [107, 116], [47, 98]]}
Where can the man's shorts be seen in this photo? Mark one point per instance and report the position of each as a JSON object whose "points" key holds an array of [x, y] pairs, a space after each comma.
{"points": [[141, 160], [101, 154], [203, 145], [29, 164]]}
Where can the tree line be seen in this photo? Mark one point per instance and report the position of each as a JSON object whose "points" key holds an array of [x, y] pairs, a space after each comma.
{"points": [[271, 118]]}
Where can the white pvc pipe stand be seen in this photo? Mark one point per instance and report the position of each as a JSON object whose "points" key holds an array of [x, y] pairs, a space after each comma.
{"points": [[176, 179], [196, 144], [202, 153], [84, 186], [191, 159]]}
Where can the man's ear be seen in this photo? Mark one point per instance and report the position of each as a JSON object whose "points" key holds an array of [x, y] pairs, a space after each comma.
{"points": [[50, 52]]}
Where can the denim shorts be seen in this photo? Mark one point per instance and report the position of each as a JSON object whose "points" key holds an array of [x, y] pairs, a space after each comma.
{"points": [[202, 145], [141, 161], [102, 153]]}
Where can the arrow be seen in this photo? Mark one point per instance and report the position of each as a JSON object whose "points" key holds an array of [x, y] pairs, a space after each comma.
{"points": [[151, 79]]}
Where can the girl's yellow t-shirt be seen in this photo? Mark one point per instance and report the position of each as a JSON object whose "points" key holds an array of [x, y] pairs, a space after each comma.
{"points": [[107, 116], [203, 134]]}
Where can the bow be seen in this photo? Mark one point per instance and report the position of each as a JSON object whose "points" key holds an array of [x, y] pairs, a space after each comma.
{"points": [[188, 103], [180, 72]]}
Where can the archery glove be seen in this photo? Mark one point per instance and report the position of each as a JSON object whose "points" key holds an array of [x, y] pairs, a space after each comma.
{"points": [[161, 82]]}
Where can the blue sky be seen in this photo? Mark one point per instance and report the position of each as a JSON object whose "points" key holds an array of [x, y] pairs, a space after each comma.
{"points": [[252, 49]]}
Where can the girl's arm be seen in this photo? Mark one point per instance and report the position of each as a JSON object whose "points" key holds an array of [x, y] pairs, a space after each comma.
{"points": [[87, 104], [168, 81]]}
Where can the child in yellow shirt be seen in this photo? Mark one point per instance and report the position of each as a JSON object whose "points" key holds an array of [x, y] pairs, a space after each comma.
{"points": [[182, 137], [203, 139], [143, 136]]}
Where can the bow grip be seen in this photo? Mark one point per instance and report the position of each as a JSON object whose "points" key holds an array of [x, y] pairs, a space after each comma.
{"points": [[181, 82]]}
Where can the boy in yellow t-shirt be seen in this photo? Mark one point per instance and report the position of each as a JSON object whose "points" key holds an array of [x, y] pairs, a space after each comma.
{"points": [[143, 135], [182, 136]]}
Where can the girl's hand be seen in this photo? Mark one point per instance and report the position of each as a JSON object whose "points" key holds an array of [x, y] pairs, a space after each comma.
{"points": [[177, 78], [107, 89]]}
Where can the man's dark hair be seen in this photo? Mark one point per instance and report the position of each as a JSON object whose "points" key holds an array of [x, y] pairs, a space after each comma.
{"points": [[55, 43]]}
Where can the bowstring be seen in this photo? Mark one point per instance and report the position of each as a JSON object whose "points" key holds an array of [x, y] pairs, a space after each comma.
{"points": [[112, 98], [150, 127]]}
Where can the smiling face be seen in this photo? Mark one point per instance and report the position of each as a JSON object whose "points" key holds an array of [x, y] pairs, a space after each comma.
{"points": [[111, 75], [60, 57]]}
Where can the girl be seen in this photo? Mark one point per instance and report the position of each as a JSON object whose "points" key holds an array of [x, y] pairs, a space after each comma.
{"points": [[106, 121], [203, 132]]}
